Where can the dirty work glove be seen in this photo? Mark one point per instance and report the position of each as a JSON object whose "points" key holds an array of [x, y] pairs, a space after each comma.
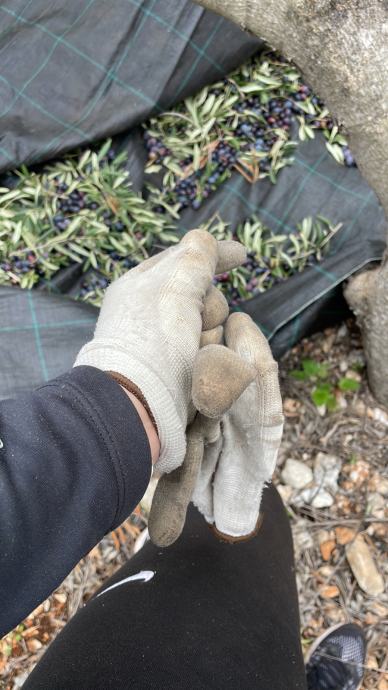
{"points": [[226, 465], [238, 465], [149, 330], [213, 366]]}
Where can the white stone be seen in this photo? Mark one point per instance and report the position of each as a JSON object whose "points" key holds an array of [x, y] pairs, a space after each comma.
{"points": [[302, 537], [328, 343], [363, 567], [317, 498], [306, 495], [342, 332], [322, 499], [302, 541], [380, 416], [321, 409], [351, 374], [296, 474], [326, 471], [376, 506]]}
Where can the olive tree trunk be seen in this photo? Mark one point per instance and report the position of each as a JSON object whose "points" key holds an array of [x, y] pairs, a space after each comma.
{"points": [[341, 48]]}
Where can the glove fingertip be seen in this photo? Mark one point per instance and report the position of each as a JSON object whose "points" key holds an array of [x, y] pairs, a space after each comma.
{"points": [[243, 336], [231, 254], [235, 539], [215, 309], [219, 377]]}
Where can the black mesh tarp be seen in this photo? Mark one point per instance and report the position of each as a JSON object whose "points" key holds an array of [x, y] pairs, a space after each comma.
{"points": [[76, 72]]}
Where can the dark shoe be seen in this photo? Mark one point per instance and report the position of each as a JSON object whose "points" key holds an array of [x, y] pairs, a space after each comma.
{"points": [[336, 659]]}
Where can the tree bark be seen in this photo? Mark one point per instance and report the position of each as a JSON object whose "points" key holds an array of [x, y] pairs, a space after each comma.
{"points": [[367, 295], [341, 48]]}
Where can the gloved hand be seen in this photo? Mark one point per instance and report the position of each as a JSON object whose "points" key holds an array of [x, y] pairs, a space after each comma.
{"points": [[224, 472], [238, 465], [149, 329]]}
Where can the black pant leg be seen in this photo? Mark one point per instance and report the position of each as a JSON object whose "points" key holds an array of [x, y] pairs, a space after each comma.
{"points": [[213, 615]]}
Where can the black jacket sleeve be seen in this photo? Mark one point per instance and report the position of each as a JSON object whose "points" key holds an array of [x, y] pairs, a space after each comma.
{"points": [[74, 462]]}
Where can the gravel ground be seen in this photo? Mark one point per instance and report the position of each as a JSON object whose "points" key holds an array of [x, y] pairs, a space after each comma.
{"points": [[355, 436], [337, 510]]}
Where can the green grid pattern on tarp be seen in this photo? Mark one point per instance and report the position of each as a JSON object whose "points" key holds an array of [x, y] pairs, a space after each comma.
{"points": [[93, 68], [41, 333], [39, 337]]}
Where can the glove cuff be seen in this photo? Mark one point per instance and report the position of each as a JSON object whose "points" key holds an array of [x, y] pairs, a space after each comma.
{"points": [[163, 407]]}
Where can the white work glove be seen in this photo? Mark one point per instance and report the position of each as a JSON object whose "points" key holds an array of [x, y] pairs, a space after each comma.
{"points": [[238, 465], [149, 329], [233, 441]]}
